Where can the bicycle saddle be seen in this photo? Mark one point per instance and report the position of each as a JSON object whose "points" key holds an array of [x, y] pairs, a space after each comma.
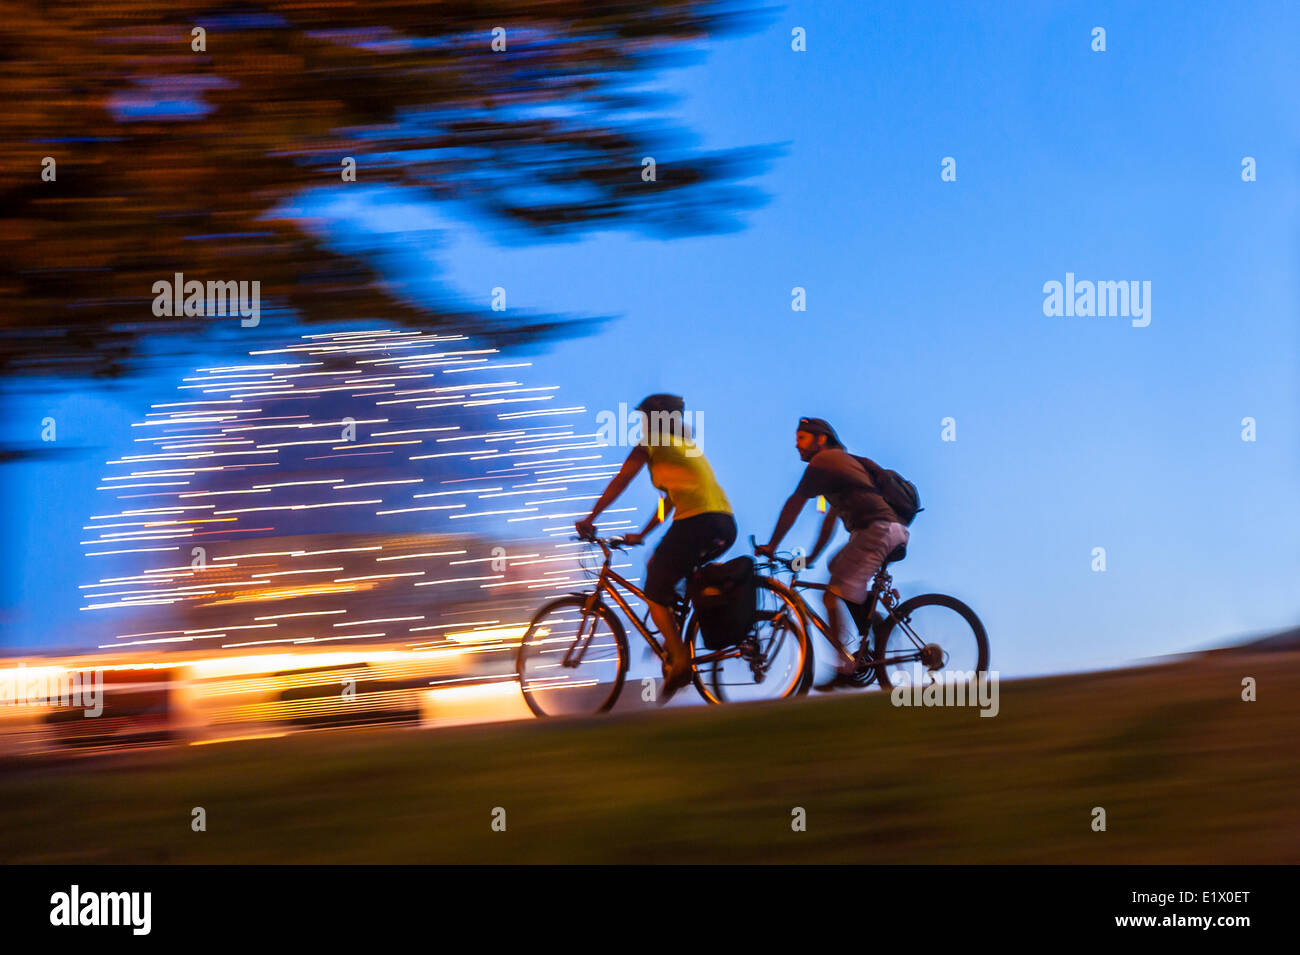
{"points": [[898, 553]]}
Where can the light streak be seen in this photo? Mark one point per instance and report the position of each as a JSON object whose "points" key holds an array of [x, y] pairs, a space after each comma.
{"points": [[369, 394]]}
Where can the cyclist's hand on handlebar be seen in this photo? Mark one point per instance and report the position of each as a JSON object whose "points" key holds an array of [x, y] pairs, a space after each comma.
{"points": [[764, 550], [586, 528], [633, 540]]}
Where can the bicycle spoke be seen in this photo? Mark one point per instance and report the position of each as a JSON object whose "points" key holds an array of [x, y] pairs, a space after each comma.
{"points": [[931, 638], [769, 664], [570, 663]]}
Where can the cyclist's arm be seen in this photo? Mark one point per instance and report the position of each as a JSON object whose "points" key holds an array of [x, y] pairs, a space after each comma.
{"points": [[636, 459], [824, 535], [789, 514]]}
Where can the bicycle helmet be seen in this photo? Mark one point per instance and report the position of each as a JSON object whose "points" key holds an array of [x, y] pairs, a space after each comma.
{"points": [[663, 403]]}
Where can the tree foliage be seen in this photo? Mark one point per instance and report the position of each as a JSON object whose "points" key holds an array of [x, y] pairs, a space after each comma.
{"points": [[174, 159]]}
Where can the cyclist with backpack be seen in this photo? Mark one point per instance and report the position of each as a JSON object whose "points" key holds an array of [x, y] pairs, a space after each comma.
{"points": [[702, 525], [858, 491]]}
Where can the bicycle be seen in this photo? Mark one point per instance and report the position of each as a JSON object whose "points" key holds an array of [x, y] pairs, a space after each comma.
{"points": [[569, 664], [929, 643]]}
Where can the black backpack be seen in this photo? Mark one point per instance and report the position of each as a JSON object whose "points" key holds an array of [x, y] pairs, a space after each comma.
{"points": [[725, 597], [899, 493]]}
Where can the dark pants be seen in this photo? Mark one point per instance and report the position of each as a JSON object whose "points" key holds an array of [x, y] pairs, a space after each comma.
{"points": [[687, 544]]}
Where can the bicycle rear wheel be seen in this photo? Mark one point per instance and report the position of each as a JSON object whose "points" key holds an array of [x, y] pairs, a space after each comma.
{"points": [[570, 662], [774, 662], [929, 637]]}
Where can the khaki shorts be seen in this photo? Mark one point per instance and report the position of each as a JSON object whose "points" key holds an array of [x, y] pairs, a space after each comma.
{"points": [[857, 562]]}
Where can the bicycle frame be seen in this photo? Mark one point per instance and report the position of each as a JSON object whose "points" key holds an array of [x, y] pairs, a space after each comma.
{"points": [[609, 581], [797, 585], [881, 592]]}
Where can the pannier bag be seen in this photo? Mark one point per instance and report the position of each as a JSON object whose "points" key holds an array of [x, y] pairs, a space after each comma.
{"points": [[725, 597]]}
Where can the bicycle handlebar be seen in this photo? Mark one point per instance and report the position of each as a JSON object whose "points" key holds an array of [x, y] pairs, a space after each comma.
{"points": [[614, 543], [777, 560]]}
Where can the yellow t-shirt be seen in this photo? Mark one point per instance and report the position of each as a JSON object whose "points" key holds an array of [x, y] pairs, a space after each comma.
{"points": [[679, 469]]}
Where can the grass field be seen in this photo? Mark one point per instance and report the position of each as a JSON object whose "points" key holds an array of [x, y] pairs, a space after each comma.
{"points": [[1186, 771]]}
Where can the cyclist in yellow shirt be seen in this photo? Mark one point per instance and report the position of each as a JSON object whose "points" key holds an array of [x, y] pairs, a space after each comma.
{"points": [[702, 528]]}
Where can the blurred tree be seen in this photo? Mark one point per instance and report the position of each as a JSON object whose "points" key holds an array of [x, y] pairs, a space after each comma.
{"points": [[178, 155]]}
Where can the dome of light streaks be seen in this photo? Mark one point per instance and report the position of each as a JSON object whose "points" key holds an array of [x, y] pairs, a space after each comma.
{"points": [[369, 485]]}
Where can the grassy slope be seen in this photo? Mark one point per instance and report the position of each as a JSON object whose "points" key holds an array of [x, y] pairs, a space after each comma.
{"points": [[1187, 772]]}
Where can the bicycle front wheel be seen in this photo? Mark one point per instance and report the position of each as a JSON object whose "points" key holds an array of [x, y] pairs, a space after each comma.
{"points": [[928, 638], [773, 662], [572, 662]]}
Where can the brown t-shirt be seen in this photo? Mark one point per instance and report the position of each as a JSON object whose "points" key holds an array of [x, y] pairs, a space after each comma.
{"points": [[845, 483]]}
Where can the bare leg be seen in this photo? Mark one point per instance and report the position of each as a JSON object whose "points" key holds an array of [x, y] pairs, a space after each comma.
{"points": [[834, 627], [667, 626], [678, 671]]}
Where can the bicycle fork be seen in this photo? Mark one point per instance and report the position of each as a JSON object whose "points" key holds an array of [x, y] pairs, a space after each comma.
{"points": [[578, 649]]}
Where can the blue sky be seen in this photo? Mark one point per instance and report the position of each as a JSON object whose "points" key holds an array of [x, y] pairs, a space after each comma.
{"points": [[925, 302]]}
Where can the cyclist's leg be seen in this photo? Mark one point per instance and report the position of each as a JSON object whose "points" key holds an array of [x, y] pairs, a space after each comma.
{"points": [[689, 542], [668, 565], [722, 535], [834, 606], [852, 569]]}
